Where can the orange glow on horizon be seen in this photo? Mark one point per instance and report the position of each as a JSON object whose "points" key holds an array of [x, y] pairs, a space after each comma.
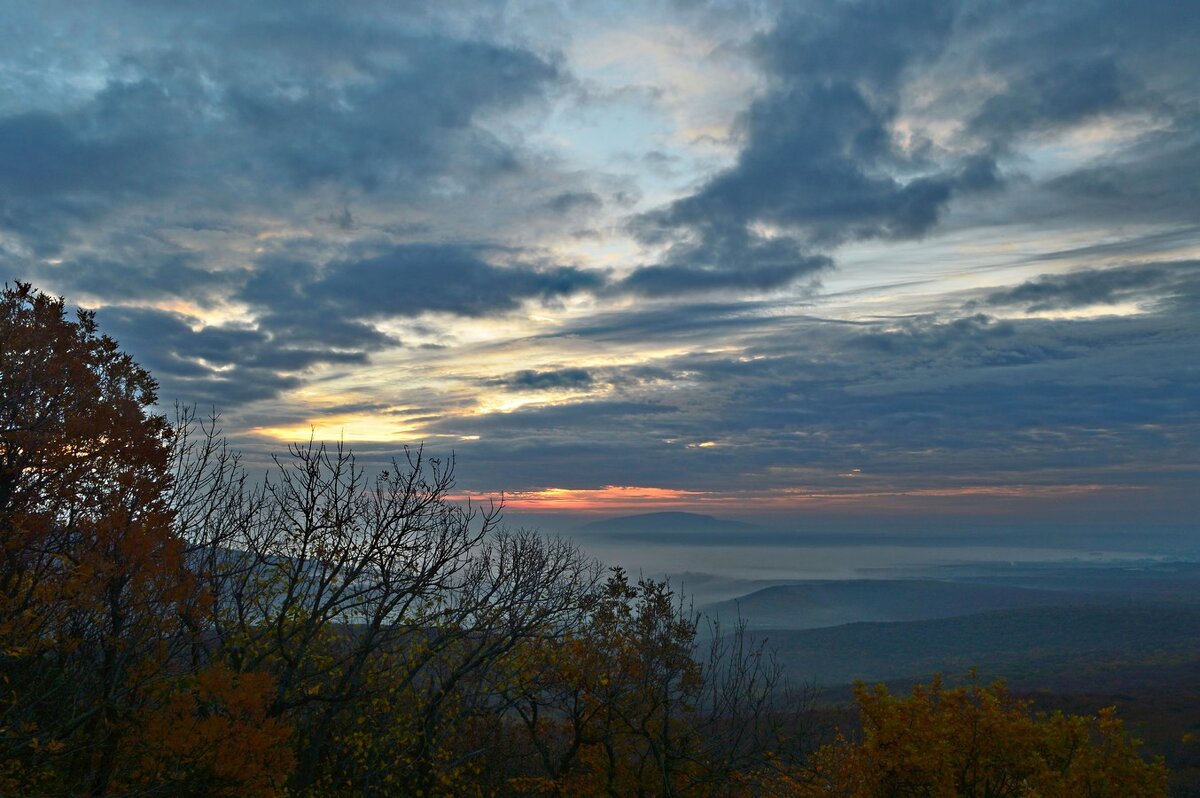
{"points": [[610, 497], [648, 499]]}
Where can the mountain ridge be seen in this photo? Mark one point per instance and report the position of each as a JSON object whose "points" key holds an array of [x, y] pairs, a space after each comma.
{"points": [[669, 522]]}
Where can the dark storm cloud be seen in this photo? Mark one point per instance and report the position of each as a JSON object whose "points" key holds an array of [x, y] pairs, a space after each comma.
{"points": [[1063, 65], [818, 156], [331, 172], [44, 154], [1058, 94], [311, 98], [1058, 62], [415, 279], [59, 170], [405, 281], [142, 278], [822, 164], [575, 201], [221, 366], [405, 122], [818, 160], [237, 115], [308, 314], [1086, 287], [676, 280], [546, 380], [724, 259]]}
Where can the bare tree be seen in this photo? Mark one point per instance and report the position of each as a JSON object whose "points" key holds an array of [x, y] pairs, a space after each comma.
{"points": [[632, 700], [340, 585]]}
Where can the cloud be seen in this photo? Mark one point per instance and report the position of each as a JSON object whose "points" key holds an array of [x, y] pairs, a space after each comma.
{"points": [[818, 161], [1151, 184], [44, 154], [818, 156], [305, 314], [724, 258], [575, 201], [1058, 94], [234, 110], [692, 323], [141, 277], [546, 380], [1084, 288], [219, 366], [275, 161], [409, 120], [1081, 104], [794, 402], [876, 118], [676, 280], [406, 281]]}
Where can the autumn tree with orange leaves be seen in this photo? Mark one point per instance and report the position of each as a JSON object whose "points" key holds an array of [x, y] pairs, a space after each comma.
{"points": [[96, 600], [977, 742]]}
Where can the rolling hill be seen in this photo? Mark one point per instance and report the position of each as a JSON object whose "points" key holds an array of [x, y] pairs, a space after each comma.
{"points": [[811, 605]]}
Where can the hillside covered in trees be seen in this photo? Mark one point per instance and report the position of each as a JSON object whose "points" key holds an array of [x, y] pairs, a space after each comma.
{"points": [[172, 625]]}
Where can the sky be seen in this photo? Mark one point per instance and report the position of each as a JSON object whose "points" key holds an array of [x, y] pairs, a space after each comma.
{"points": [[922, 263]]}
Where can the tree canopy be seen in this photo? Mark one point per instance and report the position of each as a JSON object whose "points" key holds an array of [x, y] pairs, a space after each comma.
{"points": [[979, 741]]}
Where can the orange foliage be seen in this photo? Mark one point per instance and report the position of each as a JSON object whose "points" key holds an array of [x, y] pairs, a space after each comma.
{"points": [[97, 606], [213, 732], [83, 475], [978, 741], [607, 706]]}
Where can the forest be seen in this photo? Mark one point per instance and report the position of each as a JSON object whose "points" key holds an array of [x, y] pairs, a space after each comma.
{"points": [[174, 623]]}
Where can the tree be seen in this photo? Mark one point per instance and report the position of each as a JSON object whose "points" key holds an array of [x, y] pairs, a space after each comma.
{"points": [[977, 742], [628, 701], [88, 558], [377, 604], [208, 734], [419, 647], [97, 604]]}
